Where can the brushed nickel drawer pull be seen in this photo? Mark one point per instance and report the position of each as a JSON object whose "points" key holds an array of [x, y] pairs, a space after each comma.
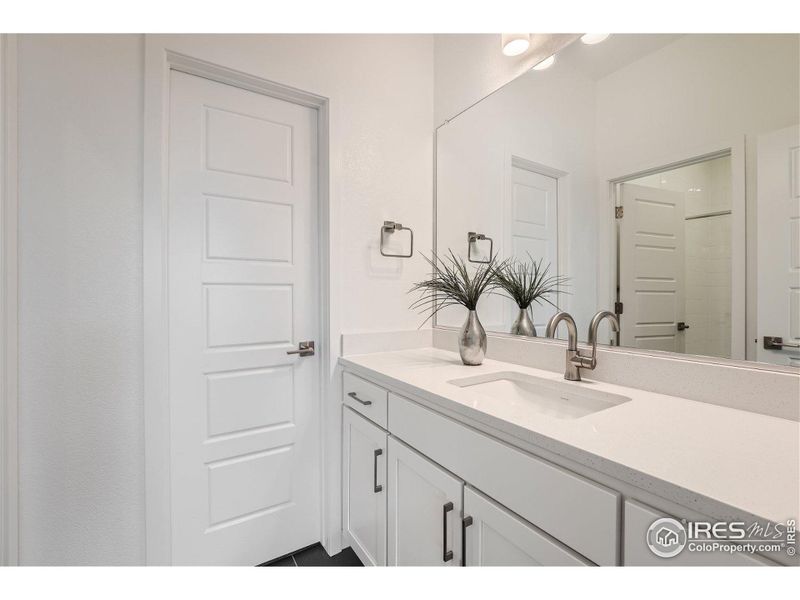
{"points": [[357, 399]]}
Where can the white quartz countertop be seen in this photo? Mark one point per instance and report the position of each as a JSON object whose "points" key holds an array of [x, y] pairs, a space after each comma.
{"points": [[721, 462]]}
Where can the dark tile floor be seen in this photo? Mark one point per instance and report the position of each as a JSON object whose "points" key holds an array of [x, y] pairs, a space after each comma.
{"points": [[315, 556]]}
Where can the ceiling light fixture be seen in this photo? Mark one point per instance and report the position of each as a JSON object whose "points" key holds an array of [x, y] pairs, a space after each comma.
{"points": [[514, 44], [594, 38], [545, 64]]}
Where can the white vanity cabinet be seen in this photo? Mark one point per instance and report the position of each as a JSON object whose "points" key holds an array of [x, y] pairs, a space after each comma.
{"points": [[425, 510], [364, 453], [421, 488], [495, 537]]}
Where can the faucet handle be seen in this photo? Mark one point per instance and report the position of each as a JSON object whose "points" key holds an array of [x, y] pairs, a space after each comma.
{"points": [[584, 362]]}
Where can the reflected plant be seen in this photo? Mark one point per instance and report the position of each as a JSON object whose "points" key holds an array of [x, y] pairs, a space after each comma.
{"points": [[528, 282], [453, 283]]}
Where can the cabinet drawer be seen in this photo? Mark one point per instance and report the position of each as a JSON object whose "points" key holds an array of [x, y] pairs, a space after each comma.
{"points": [[581, 514], [639, 517], [367, 398]]}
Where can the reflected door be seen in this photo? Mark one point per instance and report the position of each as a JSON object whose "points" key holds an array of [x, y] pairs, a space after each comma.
{"points": [[779, 244], [532, 230], [651, 267], [243, 286]]}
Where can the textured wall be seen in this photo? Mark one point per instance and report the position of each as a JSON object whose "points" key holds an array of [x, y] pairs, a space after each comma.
{"points": [[81, 428]]}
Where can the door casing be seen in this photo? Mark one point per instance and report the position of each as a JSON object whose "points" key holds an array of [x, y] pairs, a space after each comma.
{"points": [[9, 288], [159, 61]]}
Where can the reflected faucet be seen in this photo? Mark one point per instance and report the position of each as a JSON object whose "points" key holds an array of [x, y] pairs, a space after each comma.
{"points": [[575, 361]]}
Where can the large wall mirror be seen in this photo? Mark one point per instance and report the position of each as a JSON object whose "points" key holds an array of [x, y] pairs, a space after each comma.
{"points": [[659, 174]]}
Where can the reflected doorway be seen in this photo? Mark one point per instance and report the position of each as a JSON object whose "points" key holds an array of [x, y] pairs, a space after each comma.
{"points": [[675, 259]]}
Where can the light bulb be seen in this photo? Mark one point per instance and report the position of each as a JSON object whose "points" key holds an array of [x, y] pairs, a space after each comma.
{"points": [[514, 44], [545, 64], [594, 38]]}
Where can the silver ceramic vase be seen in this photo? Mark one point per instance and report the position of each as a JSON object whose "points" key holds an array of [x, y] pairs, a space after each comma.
{"points": [[523, 324], [472, 340]]}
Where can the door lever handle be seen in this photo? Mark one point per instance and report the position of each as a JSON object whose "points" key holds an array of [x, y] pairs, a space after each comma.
{"points": [[772, 342], [303, 349]]}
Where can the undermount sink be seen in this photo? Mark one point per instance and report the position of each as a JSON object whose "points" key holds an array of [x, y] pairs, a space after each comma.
{"points": [[552, 398]]}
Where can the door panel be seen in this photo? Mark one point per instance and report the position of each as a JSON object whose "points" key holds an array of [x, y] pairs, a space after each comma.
{"points": [[778, 216], [242, 291], [364, 483], [421, 530], [498, 538], [651, 268]]}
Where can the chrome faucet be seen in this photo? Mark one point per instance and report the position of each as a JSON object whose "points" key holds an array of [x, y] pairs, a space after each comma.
{"points": [[575, 361]]}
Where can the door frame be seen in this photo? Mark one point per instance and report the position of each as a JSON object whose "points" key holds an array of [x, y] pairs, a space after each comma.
{"points": [[159, 61], [9, 303], [739, 223]]}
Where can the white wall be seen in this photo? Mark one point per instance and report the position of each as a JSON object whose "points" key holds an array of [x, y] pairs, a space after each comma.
{"points": [[81, 428], [80, 321]]}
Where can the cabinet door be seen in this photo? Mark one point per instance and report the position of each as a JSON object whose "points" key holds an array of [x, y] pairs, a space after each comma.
{"points": [[424, 510], [364, 483], [495, 537], [639, 517]]}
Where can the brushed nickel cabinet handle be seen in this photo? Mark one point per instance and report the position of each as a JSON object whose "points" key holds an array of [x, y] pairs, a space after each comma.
{"points": [[357, 399], [465, 522], [447, 555], [377, 488]]}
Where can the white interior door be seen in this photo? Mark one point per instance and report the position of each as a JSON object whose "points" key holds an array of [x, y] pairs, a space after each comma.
{"points": [[651, 268], [778, 214], [532, 229], [424, 511], [243, 290], [364, 480], [495, 537]]}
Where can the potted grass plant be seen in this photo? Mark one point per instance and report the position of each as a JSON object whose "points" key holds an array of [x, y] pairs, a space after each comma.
{"points": [[454, 283], [526, 282]]}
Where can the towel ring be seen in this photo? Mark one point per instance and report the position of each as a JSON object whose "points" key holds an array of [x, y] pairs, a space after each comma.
{"points": [[473, 237], [390, 227]]}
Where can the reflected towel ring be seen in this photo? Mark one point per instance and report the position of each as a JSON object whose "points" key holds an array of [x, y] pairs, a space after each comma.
{"points": [[390, 227], [473, 237]]}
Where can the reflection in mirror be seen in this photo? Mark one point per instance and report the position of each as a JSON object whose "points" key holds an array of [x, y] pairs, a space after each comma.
{"points": [[660, 174]]}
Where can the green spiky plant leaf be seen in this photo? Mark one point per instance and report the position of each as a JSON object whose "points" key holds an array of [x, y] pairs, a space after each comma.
{"points": [[453, 283], [528, 282]]}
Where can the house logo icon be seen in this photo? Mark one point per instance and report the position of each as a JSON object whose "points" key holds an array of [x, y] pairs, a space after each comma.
{"points": [[666, 537]]}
